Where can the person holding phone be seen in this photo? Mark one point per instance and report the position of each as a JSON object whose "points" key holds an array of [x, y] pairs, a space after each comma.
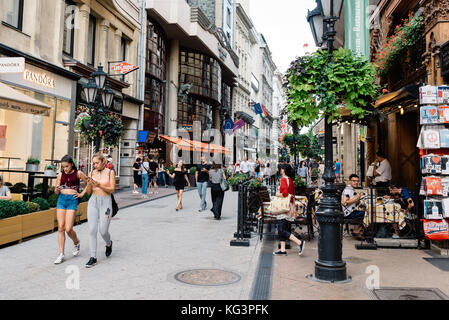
{"points": [[99, 209], [67, 186]]}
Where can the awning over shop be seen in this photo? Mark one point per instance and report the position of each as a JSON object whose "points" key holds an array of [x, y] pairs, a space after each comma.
{"points": [[407, 93], [11, 99], [193, 145], [245, 117]]}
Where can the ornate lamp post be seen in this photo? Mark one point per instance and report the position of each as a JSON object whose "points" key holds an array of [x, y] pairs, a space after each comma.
{"points": [[329, 267], [99, 96]]}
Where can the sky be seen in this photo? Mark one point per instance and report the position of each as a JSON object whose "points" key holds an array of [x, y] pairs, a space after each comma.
{"points": [[285, 28]]}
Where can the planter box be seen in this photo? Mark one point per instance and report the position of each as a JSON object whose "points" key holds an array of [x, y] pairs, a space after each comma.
{"points": [[82, 208], [10, 229], [38, 222], [235, 187], [32, 167], [50, 173]]}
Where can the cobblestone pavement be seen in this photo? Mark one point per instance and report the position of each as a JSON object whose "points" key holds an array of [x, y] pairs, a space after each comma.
{"points": [[152, 243]]}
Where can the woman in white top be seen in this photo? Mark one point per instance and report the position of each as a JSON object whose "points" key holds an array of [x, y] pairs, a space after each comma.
{"points": [[145, 168]]}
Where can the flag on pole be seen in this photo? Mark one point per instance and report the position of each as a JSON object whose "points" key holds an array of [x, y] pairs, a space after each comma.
{"points": [[228, 126], [264, 111], [237, 125], [258, 108]]}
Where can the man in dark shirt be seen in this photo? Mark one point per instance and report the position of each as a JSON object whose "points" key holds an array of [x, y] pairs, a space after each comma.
{"points": [[202, 180], [152, 175]]}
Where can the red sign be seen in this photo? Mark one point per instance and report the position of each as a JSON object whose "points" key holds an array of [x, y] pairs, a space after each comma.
{"points": [[124, 67]]}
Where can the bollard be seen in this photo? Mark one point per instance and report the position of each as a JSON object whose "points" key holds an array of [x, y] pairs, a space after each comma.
{"points": [[239, 241]]}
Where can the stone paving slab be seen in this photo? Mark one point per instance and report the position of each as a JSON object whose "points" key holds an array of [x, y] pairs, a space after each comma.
{"points": [[397, 268], [151, 245]]}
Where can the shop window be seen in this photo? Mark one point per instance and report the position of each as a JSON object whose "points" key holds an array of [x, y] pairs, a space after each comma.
{"points": [[13, 13], [63, 111]]}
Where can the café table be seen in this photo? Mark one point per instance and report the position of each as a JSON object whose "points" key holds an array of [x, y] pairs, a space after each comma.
{"points": [[385, 212]]}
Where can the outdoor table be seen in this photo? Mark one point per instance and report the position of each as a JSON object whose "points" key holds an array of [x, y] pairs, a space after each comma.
{"points": [[385, 213], [31, 175], [44, 184]]}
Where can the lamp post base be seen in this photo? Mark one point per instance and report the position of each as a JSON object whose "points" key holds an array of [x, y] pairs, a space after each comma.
{"points": [[333, 272], [313, 278]]}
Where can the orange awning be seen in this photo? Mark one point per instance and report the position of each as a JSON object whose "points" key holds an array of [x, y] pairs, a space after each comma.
{"points": [[193, 145]]}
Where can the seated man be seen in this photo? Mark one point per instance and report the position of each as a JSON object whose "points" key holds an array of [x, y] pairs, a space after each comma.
{"points": [[402, 196], [350, 199]]}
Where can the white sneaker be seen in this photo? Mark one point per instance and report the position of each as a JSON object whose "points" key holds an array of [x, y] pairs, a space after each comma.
{"points": [[136, 191], [76, 249], [151, 192], [59, 259]]}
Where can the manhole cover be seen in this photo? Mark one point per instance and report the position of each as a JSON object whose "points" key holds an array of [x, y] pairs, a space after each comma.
{"points": [[409, 294], [207, 277], [355, 260]]}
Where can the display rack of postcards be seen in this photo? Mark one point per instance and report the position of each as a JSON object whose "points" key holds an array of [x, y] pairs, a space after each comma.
{"points": [[434, 144]]}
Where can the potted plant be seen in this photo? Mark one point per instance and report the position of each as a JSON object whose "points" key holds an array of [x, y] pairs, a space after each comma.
{"points": [[32, 164], [192, 171], [50, 171], [300, 186], [314, 174]]}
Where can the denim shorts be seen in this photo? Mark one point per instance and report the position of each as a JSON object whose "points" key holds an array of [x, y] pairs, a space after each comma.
{"points": [[67, 202]]}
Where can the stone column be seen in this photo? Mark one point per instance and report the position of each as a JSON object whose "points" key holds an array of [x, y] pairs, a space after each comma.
{"points": [[81, 34], [103, 44], [173, 85], [117, 45], [348, 151]]}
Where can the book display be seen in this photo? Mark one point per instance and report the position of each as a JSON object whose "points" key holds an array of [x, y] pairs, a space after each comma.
{"points": [[434, 144]]}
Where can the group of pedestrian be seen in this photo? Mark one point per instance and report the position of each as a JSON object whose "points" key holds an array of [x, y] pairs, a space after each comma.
{"points": [[100, 183], [256, 169], [146, 174]]}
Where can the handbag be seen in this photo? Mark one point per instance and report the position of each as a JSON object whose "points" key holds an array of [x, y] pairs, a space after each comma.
{"points": [[114, 203], [224, 184]]}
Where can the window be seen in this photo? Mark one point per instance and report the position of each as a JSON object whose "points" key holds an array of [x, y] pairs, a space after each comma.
{"points": [[69, 28], [123, 53], [13, 13], [91, 41], [228, 17]]}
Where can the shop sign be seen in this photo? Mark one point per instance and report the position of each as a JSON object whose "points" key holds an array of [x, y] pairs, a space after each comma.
{"points": [[117, 105], [22, 107], [12, 65], [124, 67], [444, 57], [39, 78], [187, 127]]}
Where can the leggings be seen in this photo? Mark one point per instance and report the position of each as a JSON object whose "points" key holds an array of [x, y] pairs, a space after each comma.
{"points": [[99, 215], [284, 228]]}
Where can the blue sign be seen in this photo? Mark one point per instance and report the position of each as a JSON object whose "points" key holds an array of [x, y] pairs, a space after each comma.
{"points": [[143, 135]]}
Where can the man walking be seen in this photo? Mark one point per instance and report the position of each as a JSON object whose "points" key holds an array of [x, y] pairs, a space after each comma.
{"points": [[245, 166], [202, 179]]}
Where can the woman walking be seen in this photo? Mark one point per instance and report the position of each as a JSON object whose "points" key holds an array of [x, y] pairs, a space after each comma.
{"points": [[99, 209], [145, 168], [303, 171], [161, 172], [217, 194], [137, 175], [67, 186], [257, 168], [180, 176], [284, 227]]}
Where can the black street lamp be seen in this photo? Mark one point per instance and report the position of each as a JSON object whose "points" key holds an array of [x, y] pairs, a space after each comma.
{"points": [[99, 96], [329, 267]]}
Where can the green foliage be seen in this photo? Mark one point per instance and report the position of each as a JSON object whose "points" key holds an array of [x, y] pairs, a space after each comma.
{"points": [[109, 126], [237, 178], [255, 183], [20, 207], [318, 84], [7, 209], [193, 170], [171, 169], [314, 172], [51, 167], [32, 206], [53, 200], [38, 187], [299, 182], [32, 160], [404, 38], [19, 187], [43, 204]]}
